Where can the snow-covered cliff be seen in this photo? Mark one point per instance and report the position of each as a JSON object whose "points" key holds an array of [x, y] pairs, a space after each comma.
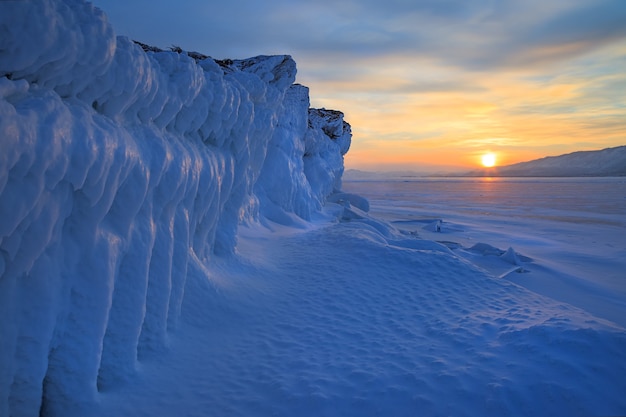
{"points": [[122, 172]]}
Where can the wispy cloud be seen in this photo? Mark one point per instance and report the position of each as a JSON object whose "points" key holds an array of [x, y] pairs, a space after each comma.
{"points": [[428, 80]]}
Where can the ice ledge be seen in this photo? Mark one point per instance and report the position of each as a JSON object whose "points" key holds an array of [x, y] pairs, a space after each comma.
{"points": [[122, 173], [273, 69]]}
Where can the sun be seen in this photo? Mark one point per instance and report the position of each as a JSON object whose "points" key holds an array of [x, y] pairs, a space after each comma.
{"points": [[489, 160]]}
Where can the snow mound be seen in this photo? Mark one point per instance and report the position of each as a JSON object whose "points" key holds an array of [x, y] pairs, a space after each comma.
{"points": [[511, 257], [120, 171]]}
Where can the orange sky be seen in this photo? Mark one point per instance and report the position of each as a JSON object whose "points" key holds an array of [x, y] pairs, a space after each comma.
{"points": [[518, 114], [427, 82]]}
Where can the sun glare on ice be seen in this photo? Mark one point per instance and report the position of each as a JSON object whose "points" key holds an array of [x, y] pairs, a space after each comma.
{"points": [[489, 160]]}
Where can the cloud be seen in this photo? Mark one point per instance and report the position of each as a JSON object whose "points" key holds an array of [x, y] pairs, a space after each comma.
{"points": [[566, 34], [421, 77], [477, 35]]}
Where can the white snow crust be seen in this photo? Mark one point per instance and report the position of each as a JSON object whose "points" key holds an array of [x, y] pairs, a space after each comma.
{"points": [[174, 241]]}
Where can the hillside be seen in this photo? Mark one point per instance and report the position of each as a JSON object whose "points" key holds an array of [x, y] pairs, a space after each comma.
{"points": [[602, 163]]}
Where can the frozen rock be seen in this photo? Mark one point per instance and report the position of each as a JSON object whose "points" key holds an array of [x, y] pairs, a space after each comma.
{"points": [[121, 166]]}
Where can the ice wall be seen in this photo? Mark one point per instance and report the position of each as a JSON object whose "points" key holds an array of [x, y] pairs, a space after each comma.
{"points": [[120, 171]]}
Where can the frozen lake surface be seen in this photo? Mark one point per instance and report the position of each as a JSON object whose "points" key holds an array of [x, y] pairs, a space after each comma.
{"points": [[594, 200], [573, 229]]}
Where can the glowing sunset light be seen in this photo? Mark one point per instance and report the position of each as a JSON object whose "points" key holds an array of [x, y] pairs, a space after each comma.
{"points": [[523, 78], [488, 160]]}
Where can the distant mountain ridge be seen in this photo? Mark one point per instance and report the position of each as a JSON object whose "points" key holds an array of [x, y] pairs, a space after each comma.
{"points": [[602, 163]]}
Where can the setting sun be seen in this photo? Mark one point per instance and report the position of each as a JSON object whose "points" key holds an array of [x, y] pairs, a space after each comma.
{"points": [[489, 160]]}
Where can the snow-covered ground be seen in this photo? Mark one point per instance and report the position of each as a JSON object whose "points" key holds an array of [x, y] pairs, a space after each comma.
{"points": [[353, 318], [569, 233], [360, 316], [173, 242]]}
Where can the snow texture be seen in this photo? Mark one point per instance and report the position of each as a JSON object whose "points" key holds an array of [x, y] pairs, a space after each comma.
{"points": [[120, 171]]}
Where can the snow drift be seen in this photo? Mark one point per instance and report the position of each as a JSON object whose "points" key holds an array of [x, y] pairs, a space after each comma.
{"points": [[121, 171]]}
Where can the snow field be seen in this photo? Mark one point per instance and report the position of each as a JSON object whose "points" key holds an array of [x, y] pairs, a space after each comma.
{"points": [[560, 237], [347, 320]]}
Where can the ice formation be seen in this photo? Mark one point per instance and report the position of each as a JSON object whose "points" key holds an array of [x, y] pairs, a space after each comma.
{"points": [[121, 171]]}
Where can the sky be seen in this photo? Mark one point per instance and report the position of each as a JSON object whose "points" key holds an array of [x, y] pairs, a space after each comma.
{"points": [[427, 85]]}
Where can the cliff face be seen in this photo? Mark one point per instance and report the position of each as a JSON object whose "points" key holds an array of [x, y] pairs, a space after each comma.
{"points": [[122, 172]]}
